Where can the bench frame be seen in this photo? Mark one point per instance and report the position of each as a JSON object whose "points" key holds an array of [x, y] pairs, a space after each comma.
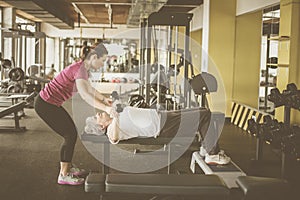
{"points": [[14, 109]]}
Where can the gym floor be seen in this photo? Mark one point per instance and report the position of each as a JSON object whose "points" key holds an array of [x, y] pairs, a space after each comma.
{"points": [[30, 161]]}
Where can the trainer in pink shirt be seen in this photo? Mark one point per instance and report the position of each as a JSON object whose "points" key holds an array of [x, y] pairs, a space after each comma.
{"points": [[63, 86]]}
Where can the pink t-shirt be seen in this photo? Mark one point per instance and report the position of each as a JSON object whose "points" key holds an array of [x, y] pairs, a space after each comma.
{"points": [[63, 86]]}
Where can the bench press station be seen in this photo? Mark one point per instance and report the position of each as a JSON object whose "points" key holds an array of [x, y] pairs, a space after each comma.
{"points": [[171, 134], [14, 109], [187, 186], [229, 173]]}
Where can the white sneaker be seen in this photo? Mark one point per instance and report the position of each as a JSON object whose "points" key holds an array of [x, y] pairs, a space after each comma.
{"points": [[77, 171], [202, 152], [69, 179], [219, 159]]}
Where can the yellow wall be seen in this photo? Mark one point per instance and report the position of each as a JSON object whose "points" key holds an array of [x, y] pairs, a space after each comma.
{"points": [[247, 59], [196, 36], [221, 42], [295, 51], [196, 49], [288, 51]]}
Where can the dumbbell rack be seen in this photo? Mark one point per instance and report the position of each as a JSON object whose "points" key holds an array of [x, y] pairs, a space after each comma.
{"points": [[287, 122], [260, 143]]}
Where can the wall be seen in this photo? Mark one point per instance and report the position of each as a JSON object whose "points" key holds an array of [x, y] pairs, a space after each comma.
{"points": [[196, 36], [52, 31], [242, 7], [288, 52], [196, 49], [197, 21], [221, 43], [246, 6], [247, 59]]}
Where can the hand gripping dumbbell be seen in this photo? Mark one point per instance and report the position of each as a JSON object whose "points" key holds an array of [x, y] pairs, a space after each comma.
{"points": [[116, 102]]}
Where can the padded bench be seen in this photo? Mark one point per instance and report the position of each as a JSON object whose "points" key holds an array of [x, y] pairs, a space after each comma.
{"points": [[206, 186], [95, 182], [263, 188], [14, 109]]}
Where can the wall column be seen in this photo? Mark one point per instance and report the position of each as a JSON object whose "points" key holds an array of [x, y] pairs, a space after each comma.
{"points": [[289, 51], [219, 34], [9, 19], [247, 58]]}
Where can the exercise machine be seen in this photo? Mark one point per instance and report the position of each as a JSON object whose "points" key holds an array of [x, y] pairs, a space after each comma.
{"points": [[186, 186], [14, 109]]}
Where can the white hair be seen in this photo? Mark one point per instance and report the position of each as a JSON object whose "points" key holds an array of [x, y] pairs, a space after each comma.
{"points": [[92, 127]]}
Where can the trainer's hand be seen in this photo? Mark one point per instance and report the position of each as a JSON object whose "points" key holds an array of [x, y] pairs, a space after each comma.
{"points": [[111, 111], [108, 101]]}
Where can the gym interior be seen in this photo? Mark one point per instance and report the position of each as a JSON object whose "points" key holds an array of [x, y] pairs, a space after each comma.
{"points": [[237, 59]]}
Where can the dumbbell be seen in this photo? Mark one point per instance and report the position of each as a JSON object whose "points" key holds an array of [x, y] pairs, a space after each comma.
{"points": [[115, 96], [267, 126], [296, 142], [290, 145], [278, 132], [273, 131], [116, 102], [276, 97], [255, 128], [252, 127], [286, 144], [292, 96]]}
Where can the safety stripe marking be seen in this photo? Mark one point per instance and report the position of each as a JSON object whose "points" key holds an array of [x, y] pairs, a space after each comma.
{"points": [[242, 113]]}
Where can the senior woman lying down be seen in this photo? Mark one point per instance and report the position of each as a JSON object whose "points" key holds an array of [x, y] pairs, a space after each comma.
{"points": [[139, 122]]}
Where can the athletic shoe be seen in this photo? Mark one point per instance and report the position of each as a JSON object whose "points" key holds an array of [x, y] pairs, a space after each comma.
{"points": [[77, 171], [69, 179], [202, 152], [219, 159]]}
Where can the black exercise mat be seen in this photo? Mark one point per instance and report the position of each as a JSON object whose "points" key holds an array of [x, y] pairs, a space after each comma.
{"points": [[224, 168]]}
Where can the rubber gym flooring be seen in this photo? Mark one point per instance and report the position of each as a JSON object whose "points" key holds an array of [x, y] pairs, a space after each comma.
{"points": [[29, 161]]}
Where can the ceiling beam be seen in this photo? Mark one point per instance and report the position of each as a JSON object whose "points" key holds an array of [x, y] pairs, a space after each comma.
{"points": [[100, 3], [81, 14], [49, 8]]}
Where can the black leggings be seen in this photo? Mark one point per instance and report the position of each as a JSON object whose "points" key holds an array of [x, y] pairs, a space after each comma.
{"points": [[61, 122], [189, 121]]}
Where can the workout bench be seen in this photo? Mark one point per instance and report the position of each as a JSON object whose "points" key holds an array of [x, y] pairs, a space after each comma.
{"points": [[264, 188], [14, 109], [185, 135], [200, 186], [164, 141], [187, 186]]}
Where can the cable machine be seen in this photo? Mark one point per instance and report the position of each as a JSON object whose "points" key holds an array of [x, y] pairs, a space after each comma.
{"points": [[149, 53]]}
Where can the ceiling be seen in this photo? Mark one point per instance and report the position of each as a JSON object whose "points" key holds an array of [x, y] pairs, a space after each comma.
{"points": [[67, 14]]}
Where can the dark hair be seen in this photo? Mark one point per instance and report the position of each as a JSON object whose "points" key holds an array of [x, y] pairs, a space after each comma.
{"points": [[85, 50], [99, 50]]}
